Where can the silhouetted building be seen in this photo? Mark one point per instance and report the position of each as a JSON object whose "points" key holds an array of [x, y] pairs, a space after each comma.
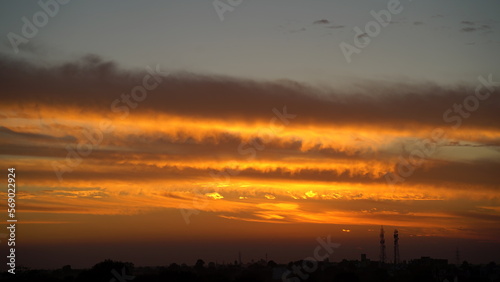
{"points": [[427, 261]]}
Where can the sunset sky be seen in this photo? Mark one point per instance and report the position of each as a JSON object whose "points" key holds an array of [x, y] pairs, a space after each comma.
{"points": [[162, 131]]}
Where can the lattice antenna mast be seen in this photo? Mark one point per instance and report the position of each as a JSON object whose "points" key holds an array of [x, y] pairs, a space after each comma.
{"points": [[382, 245], [396, 246]]}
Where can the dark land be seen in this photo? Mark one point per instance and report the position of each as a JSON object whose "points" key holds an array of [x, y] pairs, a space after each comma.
{"points": [[424, 269]]}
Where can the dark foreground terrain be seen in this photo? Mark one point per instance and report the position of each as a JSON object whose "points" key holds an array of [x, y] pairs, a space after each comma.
{"points": [[419, 270]]}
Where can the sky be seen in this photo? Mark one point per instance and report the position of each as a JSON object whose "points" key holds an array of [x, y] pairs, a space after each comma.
{"points": [[167, 131]]}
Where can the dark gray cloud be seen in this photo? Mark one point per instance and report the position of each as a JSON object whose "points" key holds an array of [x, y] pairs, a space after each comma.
{"points": [[24, 136], [468, 29], [92, 84], [363, 35], [474, 26], [322, 21]]}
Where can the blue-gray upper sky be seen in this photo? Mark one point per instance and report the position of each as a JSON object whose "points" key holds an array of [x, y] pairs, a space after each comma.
{"points": [[441, 41]]}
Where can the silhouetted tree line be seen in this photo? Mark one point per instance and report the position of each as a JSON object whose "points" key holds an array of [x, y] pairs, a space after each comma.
{"points": [[345, 271]]}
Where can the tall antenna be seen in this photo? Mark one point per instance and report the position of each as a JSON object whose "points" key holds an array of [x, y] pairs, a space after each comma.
{"points": [[458, 257], [239, 258], [382, 245], [396, 246]]}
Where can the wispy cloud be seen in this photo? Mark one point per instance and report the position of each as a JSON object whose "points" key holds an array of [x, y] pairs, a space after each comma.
{"points": [[322, 21]]}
